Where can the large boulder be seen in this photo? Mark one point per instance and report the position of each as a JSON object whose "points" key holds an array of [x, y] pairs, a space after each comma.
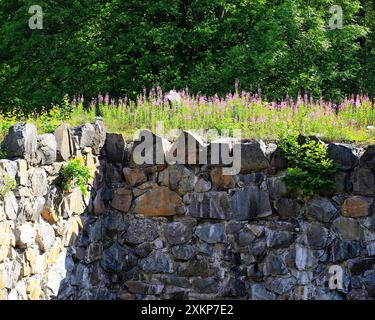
{"points": [[115, 148], [253, 157], [321, 209], [364, 181], [342, 156], [99, 136], [21, 141], [250, 202], [84, 135], [368, 158], [64, 142], [213, 205], [47, 149]]}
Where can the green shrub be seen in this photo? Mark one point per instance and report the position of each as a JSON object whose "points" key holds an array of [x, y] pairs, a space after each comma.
{"points": [[75, 174], [6, 184], [310, 169]]}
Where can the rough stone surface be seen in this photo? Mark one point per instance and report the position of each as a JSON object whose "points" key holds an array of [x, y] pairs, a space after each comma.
{"points": [[321, 209], [211, 233], [47, 149], [21, 141], [356, 207], [191, 234], [64, 142], [159, 201], [253, 157]]}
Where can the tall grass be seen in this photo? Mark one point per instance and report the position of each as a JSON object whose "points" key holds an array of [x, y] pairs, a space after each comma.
{"points": [[257, 118]]}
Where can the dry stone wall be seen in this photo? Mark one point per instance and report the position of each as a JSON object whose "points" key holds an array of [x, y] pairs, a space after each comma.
{"points": [[179, 231]]}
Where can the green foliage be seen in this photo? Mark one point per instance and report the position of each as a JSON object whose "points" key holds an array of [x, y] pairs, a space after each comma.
{"points": [[310, 169], [7, 184], [75, 174], [119, 47]]}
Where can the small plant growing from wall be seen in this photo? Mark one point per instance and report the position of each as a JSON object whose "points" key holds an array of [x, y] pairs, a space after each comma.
{"points": [[75, 174], [310, 170], [7, 184]]}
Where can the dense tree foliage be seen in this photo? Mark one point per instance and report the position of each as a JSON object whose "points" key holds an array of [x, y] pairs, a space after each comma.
{"points": [[119, 47]]}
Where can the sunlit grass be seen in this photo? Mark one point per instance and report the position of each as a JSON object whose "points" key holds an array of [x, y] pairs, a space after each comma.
{"points": [[256, 117]]}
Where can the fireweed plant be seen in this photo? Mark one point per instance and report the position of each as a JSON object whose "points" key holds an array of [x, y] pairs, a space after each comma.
{"points": [[257, 117]]}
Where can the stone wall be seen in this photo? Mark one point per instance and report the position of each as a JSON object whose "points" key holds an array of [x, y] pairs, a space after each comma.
{"points": [[180, 231]]}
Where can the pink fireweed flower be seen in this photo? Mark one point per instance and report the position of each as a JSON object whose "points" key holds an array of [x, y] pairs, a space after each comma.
{"points": [[174, 97]]}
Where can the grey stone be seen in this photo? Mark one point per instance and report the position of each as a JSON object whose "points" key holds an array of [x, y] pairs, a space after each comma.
{"points": [[64, 142], [344, 250], [158, 262], [369, 281], [10, 273], [259, 292], [235, 288], [342, 156], [213, 205], [364, 181], [211, 232], [347, 228], [21, 141], [99, 136], [277, 187], [287, 208], [118, 258], [141, 230], [47, 149], [244, 237], [45, 236], [205, 285], [315, 236], [305, 258], [38, 180], [179, 232], [178, 178], [371, 249], [274, 265], [321, 209], [368, 158], [250, 202], [9, 167], [359, 265], [278, 239], [10, 206], [280, 285], [202, 186], [115, 148], [253, 157], [183, 252], [85, 134]]}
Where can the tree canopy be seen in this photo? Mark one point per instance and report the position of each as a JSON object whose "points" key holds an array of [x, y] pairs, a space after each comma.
{"points": [[280, 46]]}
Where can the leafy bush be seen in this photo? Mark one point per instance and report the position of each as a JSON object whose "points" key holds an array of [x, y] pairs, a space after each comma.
{"points": [[75, 174], [6, 184], [310, 168]]}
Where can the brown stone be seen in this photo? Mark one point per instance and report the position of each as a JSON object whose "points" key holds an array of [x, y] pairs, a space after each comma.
{"points": [[356, 207], [122, 200], [160, 201], [221, 181], [134, 176]]}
